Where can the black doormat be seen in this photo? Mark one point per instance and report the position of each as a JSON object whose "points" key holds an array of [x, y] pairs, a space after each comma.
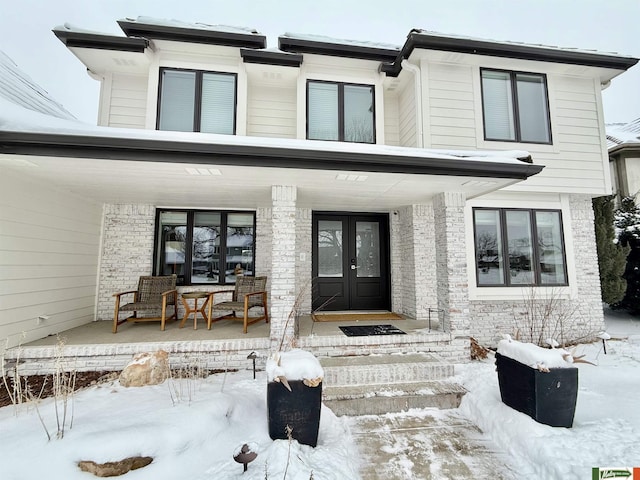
{"points": [[366, 330]]}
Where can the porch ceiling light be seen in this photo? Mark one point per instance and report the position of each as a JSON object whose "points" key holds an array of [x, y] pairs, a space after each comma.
{"points": [[351, 177], [203, 171]]}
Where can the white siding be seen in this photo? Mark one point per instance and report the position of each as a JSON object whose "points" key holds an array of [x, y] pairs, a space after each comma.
{"points": [[451, 121], [407, 116], [49, 244], [391, 120], [271, 111], [127, 108]]}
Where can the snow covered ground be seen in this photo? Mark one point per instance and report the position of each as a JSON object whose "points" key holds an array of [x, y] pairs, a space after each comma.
{"points": [[192, 428]]}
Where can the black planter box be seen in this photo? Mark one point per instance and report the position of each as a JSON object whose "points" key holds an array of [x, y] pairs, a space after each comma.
{"points": [[547, 397], [299, 409]]}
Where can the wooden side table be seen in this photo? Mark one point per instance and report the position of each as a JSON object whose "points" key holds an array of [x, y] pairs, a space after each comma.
{"points": [[195, 296]]}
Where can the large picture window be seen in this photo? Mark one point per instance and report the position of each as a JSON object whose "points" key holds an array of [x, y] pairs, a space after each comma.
{"points": [[195, 101], [204, 247], [340, 112], [515, 106], [519, 247]]}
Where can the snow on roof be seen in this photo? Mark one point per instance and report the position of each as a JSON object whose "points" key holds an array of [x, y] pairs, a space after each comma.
{"points": [[618, 134], [160, 22], [73, 28], [18, 88], [17, 119], [340, 41], [510, 42]]}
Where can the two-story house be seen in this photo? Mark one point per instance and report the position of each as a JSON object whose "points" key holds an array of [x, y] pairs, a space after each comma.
{"points": [[451, 175], [623, 142]]}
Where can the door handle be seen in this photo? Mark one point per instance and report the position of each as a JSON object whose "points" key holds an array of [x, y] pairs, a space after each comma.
{"points": [[354, 267]]}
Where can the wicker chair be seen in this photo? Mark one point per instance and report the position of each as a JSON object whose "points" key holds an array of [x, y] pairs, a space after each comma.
{"points": [[153, 294], [249, 292]]}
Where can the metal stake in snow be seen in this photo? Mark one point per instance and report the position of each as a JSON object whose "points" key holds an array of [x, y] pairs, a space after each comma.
{"points": [[604, 336], [245, 456]]}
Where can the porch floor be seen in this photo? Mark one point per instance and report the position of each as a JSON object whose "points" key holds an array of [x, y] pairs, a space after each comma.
{"points": [[97, 333]]}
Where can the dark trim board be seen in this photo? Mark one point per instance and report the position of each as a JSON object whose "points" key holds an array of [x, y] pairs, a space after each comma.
{"points": [[266, 57], [297, 45], [101, 42], [135, 149]]}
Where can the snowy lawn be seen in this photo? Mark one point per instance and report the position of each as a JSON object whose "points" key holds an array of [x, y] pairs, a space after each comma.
{"points": [[196, 437]]}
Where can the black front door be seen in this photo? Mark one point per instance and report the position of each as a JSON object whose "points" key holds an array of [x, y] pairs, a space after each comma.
{"points": [[350, 261]]}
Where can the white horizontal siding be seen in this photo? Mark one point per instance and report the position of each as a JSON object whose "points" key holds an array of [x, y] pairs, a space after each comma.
{"points": [[49, 248], [407, 116], [451, 106], [271, 111], [391, 120], [128, 101]]}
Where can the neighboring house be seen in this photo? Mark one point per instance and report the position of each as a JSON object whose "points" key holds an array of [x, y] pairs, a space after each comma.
{"points": [[623, 142], [448, 175]]}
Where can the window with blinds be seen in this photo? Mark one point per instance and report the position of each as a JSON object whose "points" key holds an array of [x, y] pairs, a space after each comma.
{"points": [[195, 101], [515, 106], [340, 112]]}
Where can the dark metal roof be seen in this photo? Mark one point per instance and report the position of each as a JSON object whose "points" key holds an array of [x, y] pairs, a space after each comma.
{"points": [[269, 57], [133, 149], [192, 35], [362, 52], [101, 42], [420, 39]]}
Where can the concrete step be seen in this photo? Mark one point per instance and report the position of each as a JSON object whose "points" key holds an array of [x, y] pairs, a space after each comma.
{"points": [[383, 369], [378, 399]]}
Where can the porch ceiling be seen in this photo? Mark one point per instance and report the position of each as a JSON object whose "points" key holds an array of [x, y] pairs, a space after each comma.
{"points": [[232, 186]]}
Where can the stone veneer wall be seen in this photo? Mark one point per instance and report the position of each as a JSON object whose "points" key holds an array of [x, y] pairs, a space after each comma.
{"points": [[492, 319], [304, 282]]}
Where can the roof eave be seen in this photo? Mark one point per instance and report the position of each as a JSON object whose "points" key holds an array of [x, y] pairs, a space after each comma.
{"points": [[192, 35], [116, 148], [505, 50], [360, 52], [101, 42], [264, 57]]}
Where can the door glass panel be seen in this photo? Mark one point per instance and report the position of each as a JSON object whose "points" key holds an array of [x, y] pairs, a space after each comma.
{"points": [[172, 244], [330, 248], [367, 249], [520, 247], [206, 248], [240, 238]]}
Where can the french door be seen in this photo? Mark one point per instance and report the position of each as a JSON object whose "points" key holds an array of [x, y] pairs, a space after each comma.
{"points": [[350, 261]]}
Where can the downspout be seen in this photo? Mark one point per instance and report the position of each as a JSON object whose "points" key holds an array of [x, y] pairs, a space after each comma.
{"points": [[418, 98]]}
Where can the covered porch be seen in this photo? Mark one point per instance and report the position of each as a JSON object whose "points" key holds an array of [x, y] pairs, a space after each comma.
{"points": [[92, 347]]}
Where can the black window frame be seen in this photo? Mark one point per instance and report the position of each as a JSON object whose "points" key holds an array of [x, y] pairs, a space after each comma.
{"points": [[535, 255], [189, 242], [514, 101], [341, 86], [197, 111]]}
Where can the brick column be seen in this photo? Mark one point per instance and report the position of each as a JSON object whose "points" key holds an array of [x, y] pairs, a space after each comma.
{"points": [[283, 266], [451, 263]]}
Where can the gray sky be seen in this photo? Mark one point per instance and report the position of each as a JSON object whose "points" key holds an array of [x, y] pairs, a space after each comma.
{"points": [[603, 25]]}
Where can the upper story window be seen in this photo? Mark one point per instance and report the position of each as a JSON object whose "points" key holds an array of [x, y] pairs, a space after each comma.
{"points": [[204, 247], [196, 101], [515, 106], [519, 247], [340, 111]]}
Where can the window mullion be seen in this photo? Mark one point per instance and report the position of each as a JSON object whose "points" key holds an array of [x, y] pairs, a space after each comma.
{"points": [[341, 112], [506, 271], [222, 275], [188, 249], [197, 111], [516, 107]]}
